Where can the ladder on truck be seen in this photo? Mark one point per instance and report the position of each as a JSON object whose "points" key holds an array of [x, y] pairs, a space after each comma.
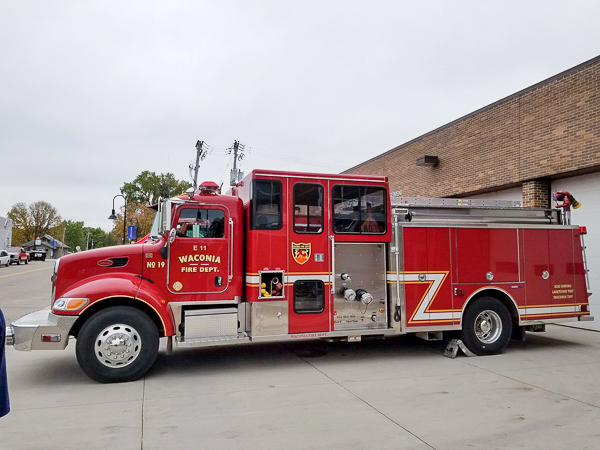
{"points": [[471, 211]]}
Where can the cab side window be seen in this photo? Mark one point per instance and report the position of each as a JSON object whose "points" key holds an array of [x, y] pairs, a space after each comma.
{"points": [[359, 209], [201, 223], [266, 212], [308, 208]]}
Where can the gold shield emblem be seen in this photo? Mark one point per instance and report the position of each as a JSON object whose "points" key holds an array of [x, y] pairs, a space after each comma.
{"points": [[301, 252]]}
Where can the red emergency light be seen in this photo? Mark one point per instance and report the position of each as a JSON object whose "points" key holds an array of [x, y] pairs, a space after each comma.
{"points": [[209, 187], [582, 230]]}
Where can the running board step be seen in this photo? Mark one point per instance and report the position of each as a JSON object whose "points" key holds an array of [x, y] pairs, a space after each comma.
{"points": [[211, 340]]}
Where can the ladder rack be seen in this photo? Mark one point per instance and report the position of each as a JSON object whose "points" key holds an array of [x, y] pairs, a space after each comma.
{"points": [[471, 211]]}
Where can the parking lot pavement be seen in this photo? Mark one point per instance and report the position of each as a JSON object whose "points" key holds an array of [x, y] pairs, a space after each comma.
{"points": [[25, 288], [398, 393]]}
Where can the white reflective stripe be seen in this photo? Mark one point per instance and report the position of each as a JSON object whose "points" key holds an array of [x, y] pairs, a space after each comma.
{"points": [[532, 310], [322, 277], [255, 279], [436, 279]]}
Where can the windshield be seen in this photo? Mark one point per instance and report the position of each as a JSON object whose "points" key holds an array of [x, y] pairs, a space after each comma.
{"points": [[155, 226]]}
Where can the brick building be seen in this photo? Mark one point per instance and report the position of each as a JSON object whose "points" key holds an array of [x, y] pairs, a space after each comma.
{"points": [[522, 147]]}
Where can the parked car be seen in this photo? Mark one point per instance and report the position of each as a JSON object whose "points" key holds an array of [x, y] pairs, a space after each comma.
{"points": [[4, 258], [18, 255], [39, 254]]}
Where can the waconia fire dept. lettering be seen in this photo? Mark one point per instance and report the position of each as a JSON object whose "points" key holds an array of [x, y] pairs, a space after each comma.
{"points": [[200, 258]]}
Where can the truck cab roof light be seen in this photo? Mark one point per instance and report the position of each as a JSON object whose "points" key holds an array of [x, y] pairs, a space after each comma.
{"points": [[582, 230]]}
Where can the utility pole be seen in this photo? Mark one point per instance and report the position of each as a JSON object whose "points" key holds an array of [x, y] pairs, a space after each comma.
{"points": [[238, 154], [201, 153]]}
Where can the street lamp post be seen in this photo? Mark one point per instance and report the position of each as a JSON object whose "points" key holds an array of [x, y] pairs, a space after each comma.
{"points": [[114, 217]]}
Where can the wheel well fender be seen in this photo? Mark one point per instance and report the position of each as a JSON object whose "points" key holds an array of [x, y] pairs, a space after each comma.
{"points": [[119, 301], [498, 294]]}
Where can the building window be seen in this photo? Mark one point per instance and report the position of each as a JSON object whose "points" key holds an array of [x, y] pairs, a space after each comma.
{"points": [[359, 209], [266, 205], [309, 296], [201, 223], [308, 208]]}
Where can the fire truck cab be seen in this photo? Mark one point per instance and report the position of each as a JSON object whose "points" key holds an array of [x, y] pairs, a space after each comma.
{"points": [[288, 255]]}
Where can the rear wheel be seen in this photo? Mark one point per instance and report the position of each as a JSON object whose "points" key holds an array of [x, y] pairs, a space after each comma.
{"points": [[117, 344], [487, 326]]}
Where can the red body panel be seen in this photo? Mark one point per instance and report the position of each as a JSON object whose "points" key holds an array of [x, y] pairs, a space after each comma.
{"points": [[540, 270]]}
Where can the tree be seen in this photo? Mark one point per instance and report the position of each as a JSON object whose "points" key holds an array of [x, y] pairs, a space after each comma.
{"points": [[96, 237], [145, 189], [148, 187], [37, 219], [139, 215], [74, 234]]}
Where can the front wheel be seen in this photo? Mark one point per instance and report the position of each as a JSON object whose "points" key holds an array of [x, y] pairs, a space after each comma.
{"points": [[487, 326], [117, 344]]}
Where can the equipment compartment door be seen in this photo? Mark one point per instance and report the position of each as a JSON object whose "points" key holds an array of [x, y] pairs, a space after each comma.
{"points": [[549, 273], [308, 279], [199, 257]]}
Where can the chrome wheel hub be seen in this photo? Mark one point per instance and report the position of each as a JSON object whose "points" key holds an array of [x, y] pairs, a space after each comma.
{"points": [[117, 345], [488, 326]]}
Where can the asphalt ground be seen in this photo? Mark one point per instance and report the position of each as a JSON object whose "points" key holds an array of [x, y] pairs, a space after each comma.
{"points": [[25, 288], [401, 393]]}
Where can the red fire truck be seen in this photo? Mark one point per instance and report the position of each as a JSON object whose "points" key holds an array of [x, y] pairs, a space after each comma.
{"points": [[288, 256]]}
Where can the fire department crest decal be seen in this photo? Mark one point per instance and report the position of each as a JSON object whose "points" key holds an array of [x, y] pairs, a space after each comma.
{"points": [[301, 252], [177, 286]]}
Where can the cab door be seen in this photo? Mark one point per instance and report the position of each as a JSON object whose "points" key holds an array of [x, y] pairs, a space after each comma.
{"points": [[309, 268], [199, 256]]}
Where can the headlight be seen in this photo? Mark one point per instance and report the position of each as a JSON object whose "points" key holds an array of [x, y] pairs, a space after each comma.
{"points": [[70, 304]]}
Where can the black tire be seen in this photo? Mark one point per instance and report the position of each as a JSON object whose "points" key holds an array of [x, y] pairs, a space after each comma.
{"points": [[26, 262], [119, 323], [18, 262], [486, 326]]}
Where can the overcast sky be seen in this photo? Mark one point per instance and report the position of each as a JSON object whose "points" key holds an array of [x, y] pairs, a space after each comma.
{"points": [[92, 93]]}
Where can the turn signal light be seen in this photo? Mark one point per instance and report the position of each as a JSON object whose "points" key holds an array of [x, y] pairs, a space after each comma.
{"points": [[69, 304], [582, 230], [76, 303]]}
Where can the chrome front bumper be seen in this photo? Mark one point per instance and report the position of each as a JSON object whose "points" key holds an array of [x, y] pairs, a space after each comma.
{"points": [[26, 333]]}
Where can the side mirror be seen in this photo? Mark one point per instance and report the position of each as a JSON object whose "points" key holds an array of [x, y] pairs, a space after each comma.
{"points": [[172, 234]]}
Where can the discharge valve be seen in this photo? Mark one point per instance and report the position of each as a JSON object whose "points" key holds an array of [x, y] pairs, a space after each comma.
{"points": [[349, 294], [364, 297]]}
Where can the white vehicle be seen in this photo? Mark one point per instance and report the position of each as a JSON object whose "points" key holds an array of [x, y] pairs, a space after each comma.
{"points": [[4, 258]]}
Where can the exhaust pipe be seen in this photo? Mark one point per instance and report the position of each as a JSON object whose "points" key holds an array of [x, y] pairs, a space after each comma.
{"points": [[10, 336]]}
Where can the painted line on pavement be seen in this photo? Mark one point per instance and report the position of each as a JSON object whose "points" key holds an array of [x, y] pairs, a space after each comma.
{"points": [[27, 271]]}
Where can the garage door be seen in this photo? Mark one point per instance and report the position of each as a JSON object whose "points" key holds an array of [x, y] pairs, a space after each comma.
{"points": [[586, 189]]}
